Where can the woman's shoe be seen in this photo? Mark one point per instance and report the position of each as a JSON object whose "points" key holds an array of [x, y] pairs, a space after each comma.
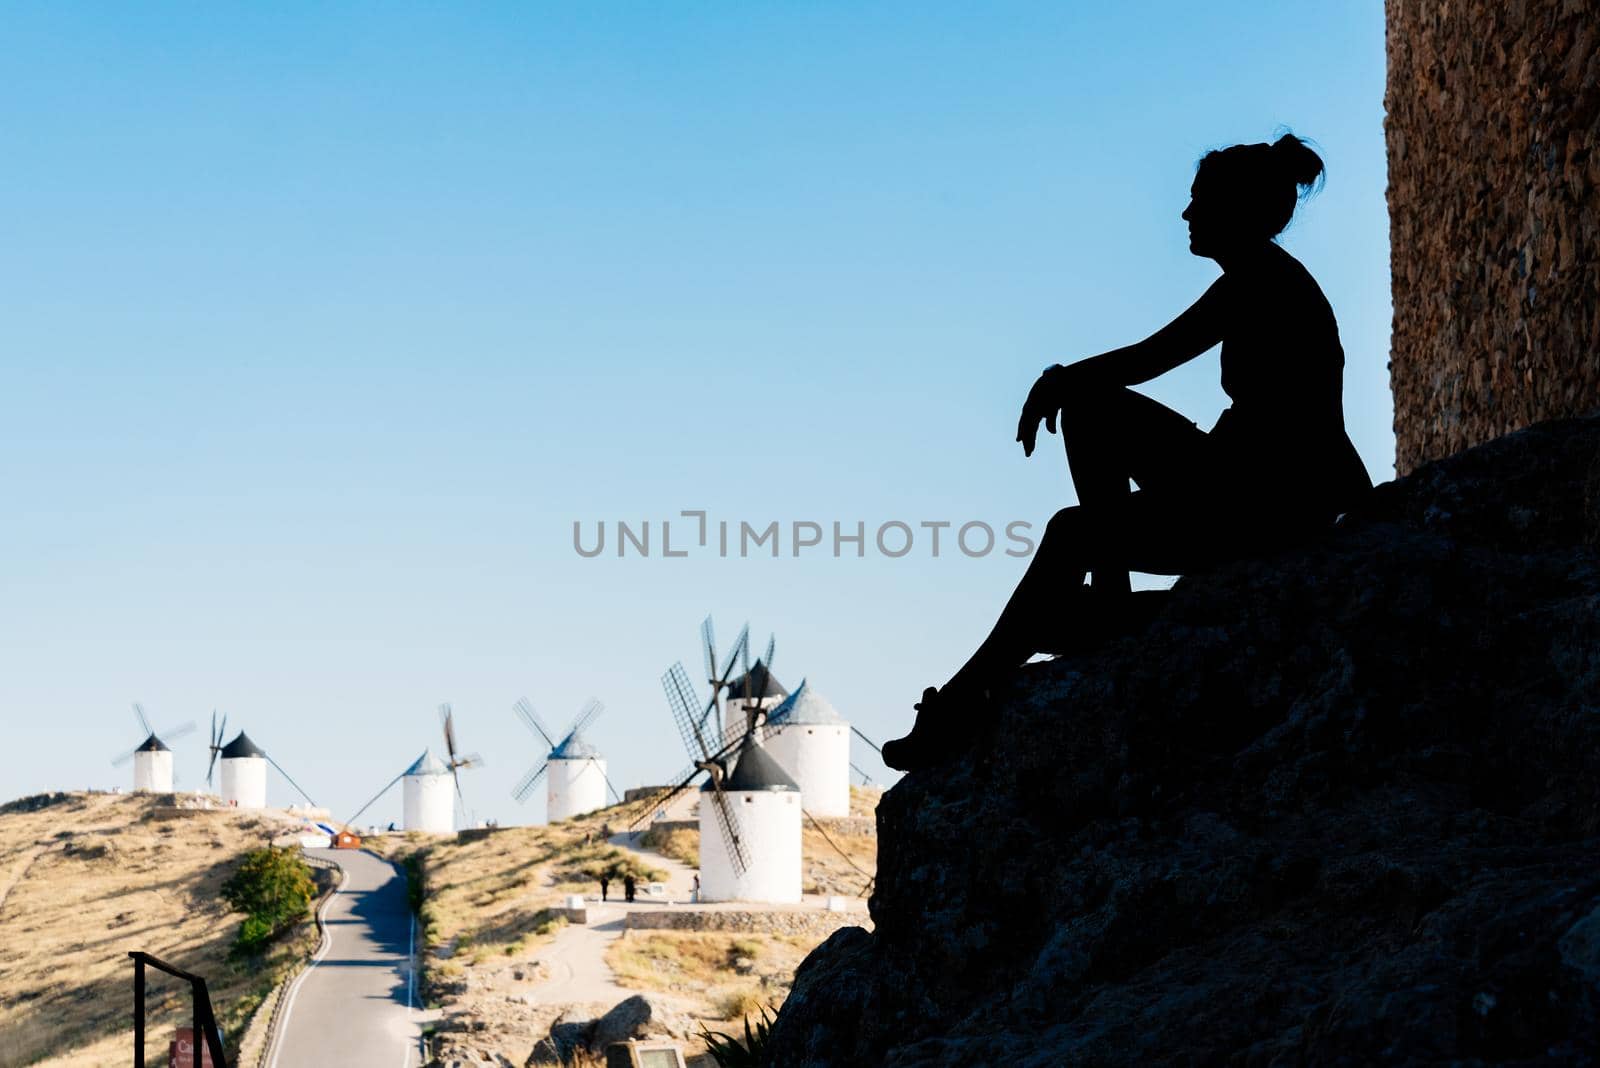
{"points": [[933, 740]]}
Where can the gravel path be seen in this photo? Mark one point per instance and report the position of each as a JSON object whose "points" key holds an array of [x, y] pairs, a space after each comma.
{"points": [[578, 973]]}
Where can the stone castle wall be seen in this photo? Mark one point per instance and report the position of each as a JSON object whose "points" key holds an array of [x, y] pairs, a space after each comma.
{"points": [[1493, 109]]}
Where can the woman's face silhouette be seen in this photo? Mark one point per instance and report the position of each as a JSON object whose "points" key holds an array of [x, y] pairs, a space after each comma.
{"points": [[1207, 229]]}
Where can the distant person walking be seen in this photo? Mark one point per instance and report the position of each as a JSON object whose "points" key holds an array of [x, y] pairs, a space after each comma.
{"points": [[605, 886], [1277, 466], [628, 887], [695, 897]]}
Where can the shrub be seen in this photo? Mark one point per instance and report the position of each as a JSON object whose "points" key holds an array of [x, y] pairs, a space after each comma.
{"points": [[274, 889], [728, 1052]]}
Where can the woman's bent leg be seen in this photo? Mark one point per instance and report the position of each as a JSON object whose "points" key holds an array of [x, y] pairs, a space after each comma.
{"points": [[1054, 576], [1113, 435]]}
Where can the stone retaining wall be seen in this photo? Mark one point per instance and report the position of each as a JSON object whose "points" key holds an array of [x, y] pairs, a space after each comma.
{"points": [[747, 921], [1493, 111]]}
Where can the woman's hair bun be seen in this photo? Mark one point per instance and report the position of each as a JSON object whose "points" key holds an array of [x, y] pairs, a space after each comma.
{"points": [[1295, 159]]}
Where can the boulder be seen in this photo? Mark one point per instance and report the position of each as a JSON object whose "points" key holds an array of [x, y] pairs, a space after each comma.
{"points": [[1336, 806], [631, 1018]]}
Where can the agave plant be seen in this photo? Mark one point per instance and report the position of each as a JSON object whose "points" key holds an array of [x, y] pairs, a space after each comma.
{"points": [[727, 1050]]}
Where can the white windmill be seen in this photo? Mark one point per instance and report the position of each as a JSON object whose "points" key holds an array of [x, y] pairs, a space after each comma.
{"points": [[425, 794], [152, 760], [244, 773], [810, 740], [749, 807], [574, 770], [244, 769], [426, 799]]}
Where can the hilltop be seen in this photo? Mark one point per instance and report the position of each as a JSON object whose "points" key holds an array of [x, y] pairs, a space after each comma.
{"points": [[1339, 806], [84, 879]]}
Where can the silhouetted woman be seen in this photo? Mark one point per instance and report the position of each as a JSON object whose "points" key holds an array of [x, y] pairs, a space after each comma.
{"points": [[1276, 467]]}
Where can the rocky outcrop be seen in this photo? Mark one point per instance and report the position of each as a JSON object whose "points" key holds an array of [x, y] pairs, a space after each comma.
{"points": [[1340, 806], [635, 1017]]}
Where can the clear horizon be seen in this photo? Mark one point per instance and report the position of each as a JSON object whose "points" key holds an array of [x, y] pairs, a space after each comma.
{"points": [[324, 327]]}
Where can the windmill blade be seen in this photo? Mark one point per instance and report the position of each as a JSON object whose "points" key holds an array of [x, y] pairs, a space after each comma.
{"points": [[291, 782], [749, 680], [864, 738], [741, 646], [728, 821], [772, 649], [525, 712], [526, 784], [587, 716], [215, 749], [144, 721], [646, 806], [125, 757], [680, 696], [866, 779], [684, 779], [708, 635], [447, 717], [182, 730], [470, 760], [374, 800], [719, 683]]}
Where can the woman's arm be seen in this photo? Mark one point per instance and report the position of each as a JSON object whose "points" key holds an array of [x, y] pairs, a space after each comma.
{"points": [[1196, 330]]}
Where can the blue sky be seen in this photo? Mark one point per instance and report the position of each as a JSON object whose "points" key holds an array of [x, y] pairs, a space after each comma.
{"points": [[323, 324]]}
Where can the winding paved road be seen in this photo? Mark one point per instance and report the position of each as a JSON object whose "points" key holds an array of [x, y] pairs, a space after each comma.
{"points": [[352, 1008]]}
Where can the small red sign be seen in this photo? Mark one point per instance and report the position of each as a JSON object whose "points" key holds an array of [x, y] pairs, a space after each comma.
{"points": [[180, 1052]]}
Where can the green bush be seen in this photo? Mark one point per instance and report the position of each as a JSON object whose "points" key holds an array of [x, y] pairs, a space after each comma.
{"points": [[274, 889]]}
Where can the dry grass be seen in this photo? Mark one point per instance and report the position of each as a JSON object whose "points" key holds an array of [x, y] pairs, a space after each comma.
{"points": [[492, 895], [682, 844], [710, 967], [864, 800], [98, 875], [740, 1002]]}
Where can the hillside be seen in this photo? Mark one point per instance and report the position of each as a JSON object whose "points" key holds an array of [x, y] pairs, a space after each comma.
{"points": [[1339, 806], [493, 936], [84, 879]]}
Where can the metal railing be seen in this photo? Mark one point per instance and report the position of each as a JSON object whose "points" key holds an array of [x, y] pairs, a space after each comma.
{"points": [[205, 1021]]}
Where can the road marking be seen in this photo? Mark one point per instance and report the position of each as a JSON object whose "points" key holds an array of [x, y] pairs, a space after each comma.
{"points": [[411, 982], [294, 987]]}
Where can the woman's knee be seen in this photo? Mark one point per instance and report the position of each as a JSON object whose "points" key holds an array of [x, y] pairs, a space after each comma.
{"points": [[1094, 400], [1061, 528]]}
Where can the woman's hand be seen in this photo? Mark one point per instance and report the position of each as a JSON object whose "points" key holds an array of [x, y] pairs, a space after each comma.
{"points": [[1044, 402]]}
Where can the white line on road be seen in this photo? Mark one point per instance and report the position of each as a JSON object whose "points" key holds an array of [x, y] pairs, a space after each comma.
{"points": [[411, 982], [294, 987]]}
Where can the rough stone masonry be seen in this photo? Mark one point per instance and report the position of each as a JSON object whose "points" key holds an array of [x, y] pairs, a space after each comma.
{"points": [[1493, 112]]}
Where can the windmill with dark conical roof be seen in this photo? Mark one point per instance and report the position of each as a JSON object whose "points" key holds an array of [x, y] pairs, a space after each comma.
{"points": [[152, 759], [756, 691], [243, 764], [749, 807], [573, 769]]}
